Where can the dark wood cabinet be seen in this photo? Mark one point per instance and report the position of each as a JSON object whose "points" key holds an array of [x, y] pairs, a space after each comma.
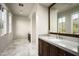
{"points": [[53, 50], [61, 52], [40, 48], [43, 48], [46, 49]]}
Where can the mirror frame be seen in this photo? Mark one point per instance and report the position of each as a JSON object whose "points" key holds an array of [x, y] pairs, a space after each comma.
{"points": [[63, 34]]}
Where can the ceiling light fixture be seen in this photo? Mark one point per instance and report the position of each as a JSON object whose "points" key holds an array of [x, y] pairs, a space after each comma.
{"points": [[20, 4]]}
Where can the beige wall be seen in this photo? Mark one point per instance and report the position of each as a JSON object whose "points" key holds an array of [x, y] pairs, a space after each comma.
{"points": [[33, 30], [42, 19], [34, 27], [21, 26]]}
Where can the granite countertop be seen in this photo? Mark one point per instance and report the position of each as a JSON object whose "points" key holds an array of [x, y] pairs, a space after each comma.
{"points": [[69, 46]]}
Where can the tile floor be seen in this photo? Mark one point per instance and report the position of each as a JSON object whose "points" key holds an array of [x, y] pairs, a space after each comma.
{"points": [[20, 47]]}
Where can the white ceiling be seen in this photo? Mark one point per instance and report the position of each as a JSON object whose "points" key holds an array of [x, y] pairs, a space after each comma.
{"points": [[25, 10], [46, 4], [18, 10], [28, 7], [64, 6]]}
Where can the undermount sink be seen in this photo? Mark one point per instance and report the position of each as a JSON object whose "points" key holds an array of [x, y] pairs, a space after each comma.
{"points": [[57, 40]]}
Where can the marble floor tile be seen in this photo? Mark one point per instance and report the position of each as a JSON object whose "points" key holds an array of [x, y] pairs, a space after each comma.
{"points": [[20, 47]]}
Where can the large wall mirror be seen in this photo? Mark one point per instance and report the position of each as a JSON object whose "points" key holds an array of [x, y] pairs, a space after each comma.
{"points": [[64, 18]]}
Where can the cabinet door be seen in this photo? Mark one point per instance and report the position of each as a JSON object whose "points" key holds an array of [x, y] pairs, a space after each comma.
{"points": [[45, 49], [61, 52], [53, 50], [40, 47], [64, 53], [68, 54]]}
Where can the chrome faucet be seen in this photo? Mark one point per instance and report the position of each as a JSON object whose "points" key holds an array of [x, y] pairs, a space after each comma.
{"points": [[60, 37], [57, 36]]}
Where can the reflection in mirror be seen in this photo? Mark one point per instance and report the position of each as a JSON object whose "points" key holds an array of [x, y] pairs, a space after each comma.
{"points": [[64, 18], [61, 24], [53, 20]]}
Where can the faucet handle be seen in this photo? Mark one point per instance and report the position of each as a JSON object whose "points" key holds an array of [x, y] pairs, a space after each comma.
{"points": [[60, 37]]}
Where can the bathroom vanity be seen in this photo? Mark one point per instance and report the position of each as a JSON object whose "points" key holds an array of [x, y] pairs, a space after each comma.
{"points": [[51, 46]]}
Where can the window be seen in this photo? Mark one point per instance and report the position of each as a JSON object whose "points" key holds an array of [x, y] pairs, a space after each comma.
{"points": [[61, 25], [3, 21], [0, 21], [75, 20], [10, 22]]}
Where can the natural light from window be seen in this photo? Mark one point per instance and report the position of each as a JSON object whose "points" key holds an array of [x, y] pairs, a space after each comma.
{"points": [[61, 25], [75, 19]]}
